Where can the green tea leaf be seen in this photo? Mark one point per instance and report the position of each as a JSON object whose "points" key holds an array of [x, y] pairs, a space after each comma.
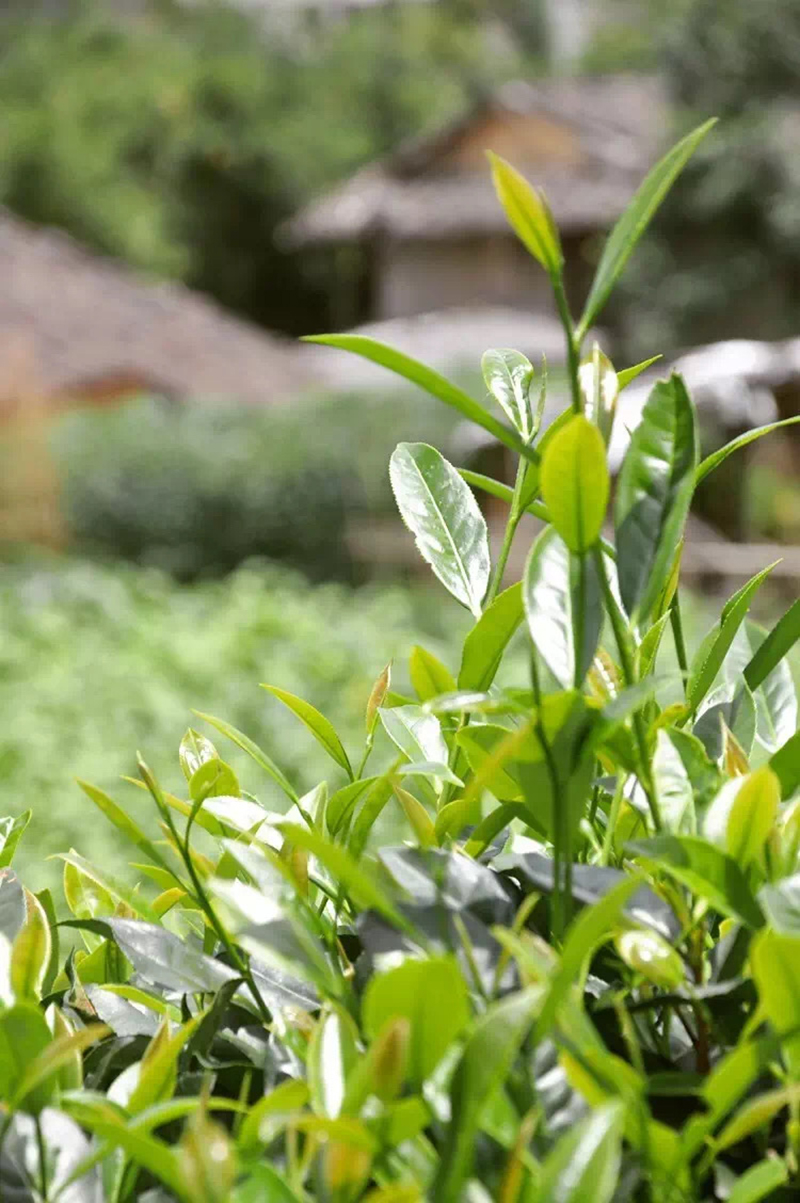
{"points": [[780, 640], [775, 966], [483, 1067], [634, 222], [599, 386], [123, 823], [674, 787], [257, 754], [628, 375], [706, 870], [361, 885], [508, 376], [417, 816], [11, 832], [487, 641], [24, 1035], [718, 457], [443, 515], [30, 952], [332, 1056], [428, 675], [528, 214], [714, 648], [429, 381], [575, 483], [650, 955], [117, 889], [586, 1161], [563, 607], [654, 492], [760, 1181], [416, 733], [322, 730], [432, 996]]}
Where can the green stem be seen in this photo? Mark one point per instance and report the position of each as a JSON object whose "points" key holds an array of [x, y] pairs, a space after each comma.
{"points": [[42, 1160], [677, 634], [366, 756], [573, 342], [629, 676], [515, 513], [613, 816]]}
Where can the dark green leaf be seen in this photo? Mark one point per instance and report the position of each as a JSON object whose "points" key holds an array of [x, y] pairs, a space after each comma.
{"points": [[653, 495], [634, 222], [780, 640], [714, 648], [443, 515]]}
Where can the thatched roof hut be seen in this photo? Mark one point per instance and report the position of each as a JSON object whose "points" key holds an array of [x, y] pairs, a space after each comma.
{"points": [[73, 323]]}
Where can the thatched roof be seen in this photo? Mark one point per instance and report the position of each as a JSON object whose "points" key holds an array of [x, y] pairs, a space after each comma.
{"points": [[610, 128], [72, 321]]}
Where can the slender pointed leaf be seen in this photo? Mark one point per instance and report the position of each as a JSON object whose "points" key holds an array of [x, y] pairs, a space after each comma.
{"points": [[635, 220], [252, 749], [575, 483], [718, 457], [322, 730], [508, 376], [487, 641], [529, 215], [564, 619], [428, 380]]}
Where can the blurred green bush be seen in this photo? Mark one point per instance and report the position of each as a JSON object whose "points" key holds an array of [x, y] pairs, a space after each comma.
{"points": [[196, 490], [96, 662]]}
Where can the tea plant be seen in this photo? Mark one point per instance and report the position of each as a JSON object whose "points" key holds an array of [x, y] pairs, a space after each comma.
{"points": [[579, 977]]}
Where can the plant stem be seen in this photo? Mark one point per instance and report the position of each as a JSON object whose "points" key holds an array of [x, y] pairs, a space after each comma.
{"points": [[676, 623], [515, 513], [42, 1159], [613, 816], [629, 676], [573, 342]]}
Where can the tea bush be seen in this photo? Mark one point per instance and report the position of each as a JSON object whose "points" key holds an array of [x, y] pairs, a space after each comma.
{"points": [[577, 978], [97, 661], [196, 489]]}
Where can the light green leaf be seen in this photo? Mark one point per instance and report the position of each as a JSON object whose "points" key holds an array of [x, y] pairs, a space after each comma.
{"points": [[648, 953], [775, 966], [528, 214], [673, 786], [118, 890], [252, 749], [11, 832], [416, 732], [332, 1055], [718, 457], [599, 387], [360, 884], [487, 641], [585, 1163], [634, 222], [417, 816], [123, 823], [654, 492], [509, 376], [428, 675], [706, 870], [432, 996], [563, 605], [575, 483], [443, 515], [322, 730], [483, 1067], [24, 1035], [30, 952], [760, 1181], [428, 380], [628, 375]]}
